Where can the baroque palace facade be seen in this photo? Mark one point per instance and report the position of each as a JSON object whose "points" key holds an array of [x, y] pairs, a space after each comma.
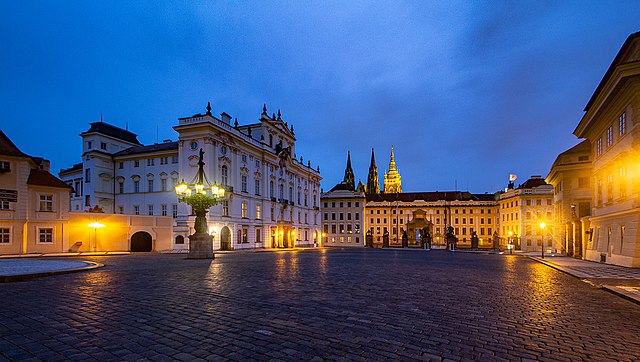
{"points": [[352, 213], [272, 197]]}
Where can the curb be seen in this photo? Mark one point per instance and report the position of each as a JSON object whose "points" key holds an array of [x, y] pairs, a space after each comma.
{"points": [[609, 288], [24, 277]]}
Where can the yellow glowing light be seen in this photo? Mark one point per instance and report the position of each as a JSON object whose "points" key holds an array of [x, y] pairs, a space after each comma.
{"points": [[510, 233], [324, 235], [221, 192], [96, 225], [199, 188], [543, 225], [181, 188], [214, 190], [281, 233]]}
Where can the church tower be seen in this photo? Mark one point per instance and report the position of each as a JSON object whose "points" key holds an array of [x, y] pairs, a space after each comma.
{"points": [[373, 183], [349, 178], [392, 182]]}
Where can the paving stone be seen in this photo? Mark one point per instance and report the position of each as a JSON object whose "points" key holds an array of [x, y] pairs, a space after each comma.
{"points": [[317, 305]]}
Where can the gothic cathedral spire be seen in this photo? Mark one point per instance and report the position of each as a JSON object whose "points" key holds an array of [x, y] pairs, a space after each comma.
{"points": [[349, 178], [392, 182], [373, 183]]}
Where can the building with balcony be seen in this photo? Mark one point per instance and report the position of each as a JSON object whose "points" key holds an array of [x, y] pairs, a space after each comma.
{"points": [[522, 210], [273, 196]]}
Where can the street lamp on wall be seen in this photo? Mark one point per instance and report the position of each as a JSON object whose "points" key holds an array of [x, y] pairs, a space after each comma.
{"points": [[542, 226], [95, 225]]}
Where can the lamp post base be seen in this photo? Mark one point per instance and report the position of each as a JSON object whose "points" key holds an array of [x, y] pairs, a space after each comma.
{"points": [[200, 246]]}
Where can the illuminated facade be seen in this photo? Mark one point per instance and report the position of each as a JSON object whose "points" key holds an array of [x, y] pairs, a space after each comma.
{"points": [[610, 123], [34, 204], [570, 177], [273, 196], [522, 209], [392, 182], [350, 216]]}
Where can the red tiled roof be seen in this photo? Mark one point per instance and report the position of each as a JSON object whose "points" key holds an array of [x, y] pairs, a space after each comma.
{"points": [[44, 178]]}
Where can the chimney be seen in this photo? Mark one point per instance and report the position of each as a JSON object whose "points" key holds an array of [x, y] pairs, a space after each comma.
{"points": [[225, 117]]}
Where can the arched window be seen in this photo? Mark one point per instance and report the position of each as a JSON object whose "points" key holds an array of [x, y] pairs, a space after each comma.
{"points": [[225, 175], [179, 239], [281, 191]]}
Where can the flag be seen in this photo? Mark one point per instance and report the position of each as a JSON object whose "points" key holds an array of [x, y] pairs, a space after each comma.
{"points": [[512, 177]]}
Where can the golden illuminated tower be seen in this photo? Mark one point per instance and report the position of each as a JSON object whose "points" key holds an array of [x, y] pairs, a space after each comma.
{"points": [[392, 182]]}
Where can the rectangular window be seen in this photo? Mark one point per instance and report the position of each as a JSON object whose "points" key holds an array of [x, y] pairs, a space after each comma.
{"points": [[333, 228], [163, 184], [174, 159], [5, 236], [258, 212], [609, 136], [150, 185], [121, 209], [136, 186], [583, 182], [599, 146], [244, 209], [163, 210], [46, 203], [243, 184], [136, 210], [164, 160], [45, 235], [150, 161], [121, 165], [174, 211], [103, 145], [258, 233], [89, 144], [136, 163], [4, 205], [150, 211], [87, 200], [257, 187], [120, 187], [87, 175], [622, 124], [225, 208]]}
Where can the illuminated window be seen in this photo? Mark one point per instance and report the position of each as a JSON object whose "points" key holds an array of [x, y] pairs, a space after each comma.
{"points": [[609, 136], [244, 209], [599, 147], [258, 212]]}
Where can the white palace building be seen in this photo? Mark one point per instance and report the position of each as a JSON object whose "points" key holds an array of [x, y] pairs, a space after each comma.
{"points": [[272, 197]]}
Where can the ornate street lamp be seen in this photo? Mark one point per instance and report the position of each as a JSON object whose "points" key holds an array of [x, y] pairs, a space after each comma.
{"points": [[200, 197]]}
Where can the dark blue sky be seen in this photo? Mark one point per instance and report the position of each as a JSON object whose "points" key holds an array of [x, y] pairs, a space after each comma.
{"points": [[466, 91]]}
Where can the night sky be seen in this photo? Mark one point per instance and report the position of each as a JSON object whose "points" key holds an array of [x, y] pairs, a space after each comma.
{"points": [[467, 92]]}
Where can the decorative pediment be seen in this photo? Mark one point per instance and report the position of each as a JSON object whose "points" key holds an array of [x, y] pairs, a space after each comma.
{"points": [[224, 139], [257, 174], [244, 170], [224, 159]]}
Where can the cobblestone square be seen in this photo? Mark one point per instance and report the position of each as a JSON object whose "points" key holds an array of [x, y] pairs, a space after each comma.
{"points": [[314, 305]]}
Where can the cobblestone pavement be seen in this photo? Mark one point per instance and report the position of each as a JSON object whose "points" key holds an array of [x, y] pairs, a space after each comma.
{"points": [[317, 305]]}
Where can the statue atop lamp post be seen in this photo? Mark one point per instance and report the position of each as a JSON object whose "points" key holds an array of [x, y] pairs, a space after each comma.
{"points": [[197, 196]]}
